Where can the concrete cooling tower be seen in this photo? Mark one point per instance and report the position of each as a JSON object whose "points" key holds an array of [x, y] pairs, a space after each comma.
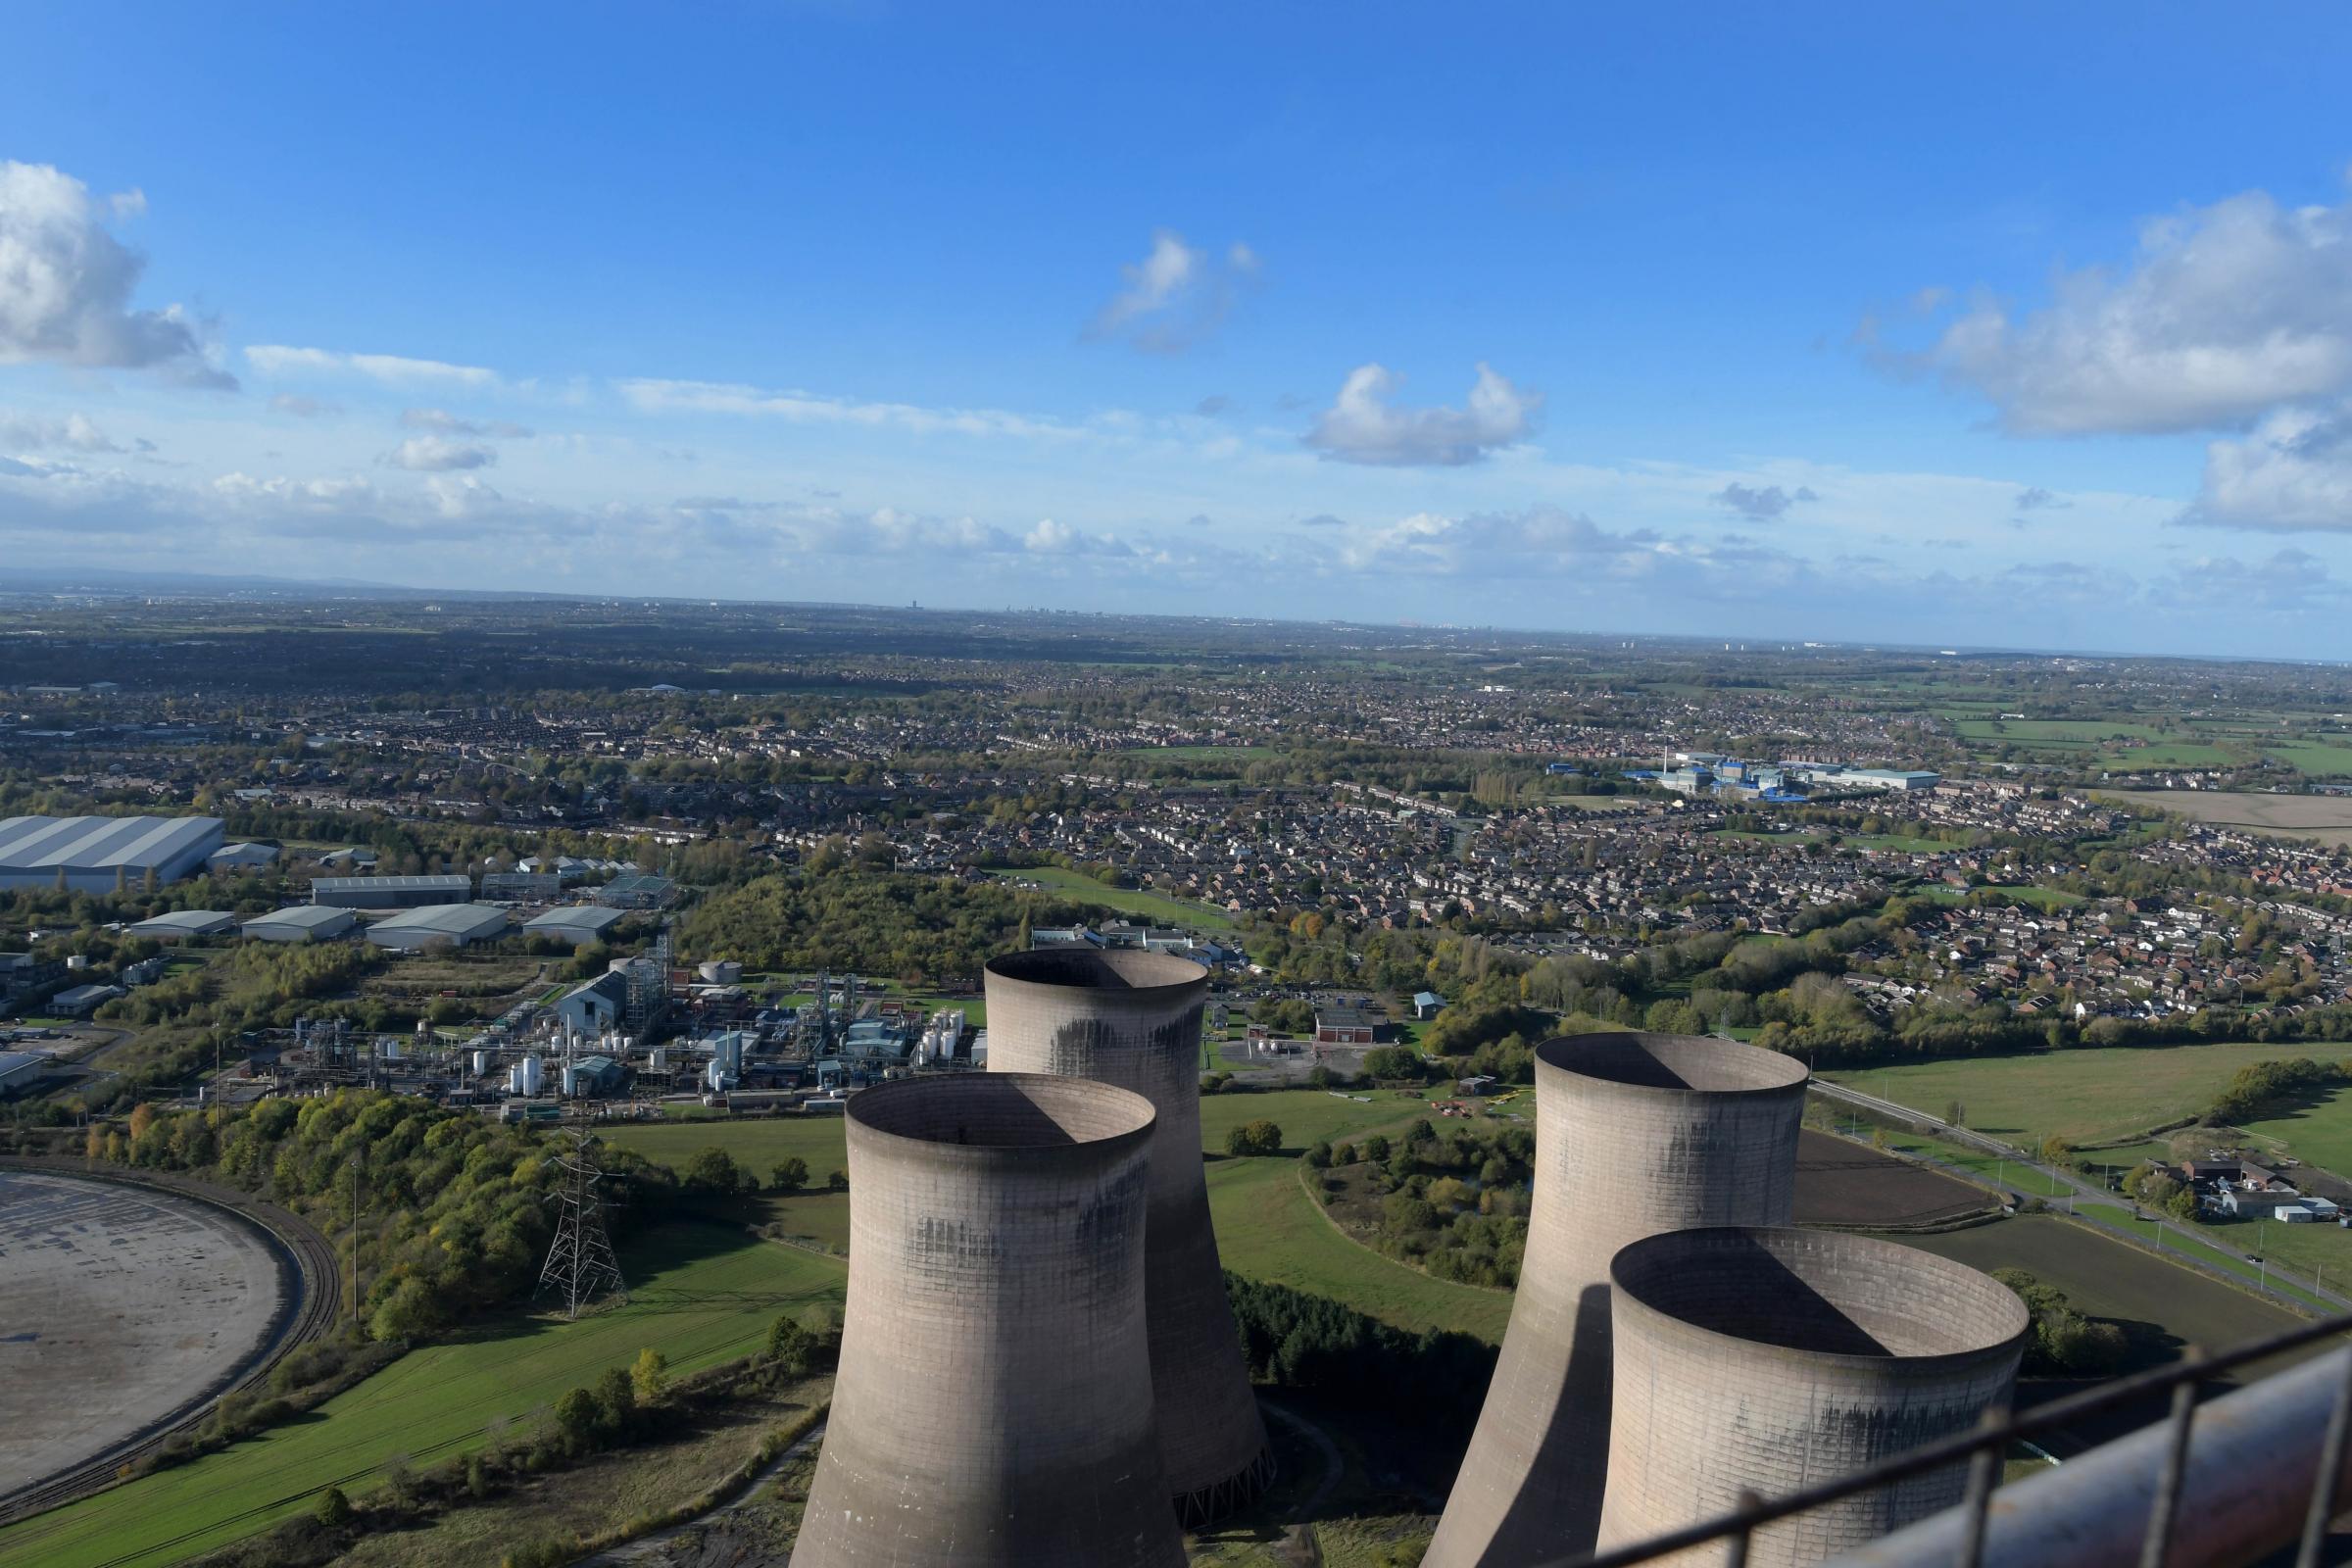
{"points": [[1636, 1133], [993, 1402], [1766, 1360], [1133, 1018]]}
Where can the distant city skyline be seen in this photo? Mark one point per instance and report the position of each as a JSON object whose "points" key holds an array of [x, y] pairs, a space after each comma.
{"points": [[1994, 327]]}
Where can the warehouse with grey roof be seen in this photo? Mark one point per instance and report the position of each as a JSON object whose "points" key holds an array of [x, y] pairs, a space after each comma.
{"points": [[98, 853], [458, 924]]}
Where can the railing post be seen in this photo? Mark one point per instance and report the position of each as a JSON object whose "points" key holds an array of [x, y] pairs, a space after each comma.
{"points": [[2167, 1504], [1736, 1556], [1983, 1474], [2328, 1480]]}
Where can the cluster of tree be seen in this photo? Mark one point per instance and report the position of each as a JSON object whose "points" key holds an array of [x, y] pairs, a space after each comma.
{"points": [[2265, 1088], [2063, 1342], [911, 927], [452, 1217], [2161, 1190], [1292, 1339], [1261, 1137], [1452, 1201]]}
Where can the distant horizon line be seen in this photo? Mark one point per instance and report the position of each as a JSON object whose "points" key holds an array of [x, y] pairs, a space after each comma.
{"points": [[126, 581]]}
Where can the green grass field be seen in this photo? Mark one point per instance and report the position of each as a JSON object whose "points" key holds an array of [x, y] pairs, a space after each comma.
{"points": [[700, 1295], [1269, 1229], [1155, 907], [2092, 1096]]}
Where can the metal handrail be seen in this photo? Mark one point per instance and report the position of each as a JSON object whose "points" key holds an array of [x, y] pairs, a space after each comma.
{"points": [[1983, 1447]]}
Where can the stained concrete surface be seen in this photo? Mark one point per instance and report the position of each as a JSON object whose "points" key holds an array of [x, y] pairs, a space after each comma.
{"points": [[118, 1307]]}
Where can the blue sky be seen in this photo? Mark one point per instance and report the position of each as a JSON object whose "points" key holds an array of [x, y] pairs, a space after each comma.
{"points": [[2026, 327]]}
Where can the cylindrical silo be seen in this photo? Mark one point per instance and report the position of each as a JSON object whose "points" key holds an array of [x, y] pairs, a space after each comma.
{"points": [[1636, 1133], [1768, 1359], [1133, 1018], [993, 1404]]}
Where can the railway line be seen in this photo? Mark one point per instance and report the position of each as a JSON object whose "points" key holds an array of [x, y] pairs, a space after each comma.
{"points": [[313, 1285]]}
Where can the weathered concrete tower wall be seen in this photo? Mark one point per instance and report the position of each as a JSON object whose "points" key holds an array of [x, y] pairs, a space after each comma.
{"points": [[1636, 1133], [994, 1402], [1133, 1018], [1766, 1360]]}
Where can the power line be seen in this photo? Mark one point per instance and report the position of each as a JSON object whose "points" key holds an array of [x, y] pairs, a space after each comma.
{"points": [[580, 1265]]}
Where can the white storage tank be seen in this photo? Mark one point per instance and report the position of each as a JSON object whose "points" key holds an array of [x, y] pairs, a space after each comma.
{"points": [[529, 1078], [570, 1081], [481, 1064]]}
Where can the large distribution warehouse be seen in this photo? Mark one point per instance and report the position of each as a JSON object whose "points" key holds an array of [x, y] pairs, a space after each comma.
{"points": [[96, 853]]}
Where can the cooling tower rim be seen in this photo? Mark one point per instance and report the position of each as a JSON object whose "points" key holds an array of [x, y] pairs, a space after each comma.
{"points": [[1134, 1118], [1572, 1055], [1119, 976], [1990, 1342]]}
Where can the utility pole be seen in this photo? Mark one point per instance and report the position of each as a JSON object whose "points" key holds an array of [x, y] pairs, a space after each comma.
{"points": [[358, 1296], [580, 1265]]}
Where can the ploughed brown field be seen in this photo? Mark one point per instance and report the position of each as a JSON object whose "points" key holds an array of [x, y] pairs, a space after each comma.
{"points": [[1841, 1182]]}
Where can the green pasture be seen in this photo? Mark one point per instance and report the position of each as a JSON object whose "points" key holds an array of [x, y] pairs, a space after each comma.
{"points": [[699, 1294], [2095, 1095]]}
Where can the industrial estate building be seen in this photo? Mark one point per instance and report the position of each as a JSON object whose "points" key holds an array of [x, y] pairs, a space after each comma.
{"points": [[994, 1402], [1636, 1135], [458, 924], [576, 925], [18, 1068], [180, 925], [99, 853], [301, 922], [390, 891], [1132, 1017]]}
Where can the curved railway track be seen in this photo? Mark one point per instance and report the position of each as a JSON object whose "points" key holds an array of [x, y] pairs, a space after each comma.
{"points": [[312, 1290]]}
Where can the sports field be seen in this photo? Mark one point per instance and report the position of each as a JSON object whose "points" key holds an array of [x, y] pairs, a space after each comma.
{"points": [[2090, 1096], [1155, 907], [700, 1295]]}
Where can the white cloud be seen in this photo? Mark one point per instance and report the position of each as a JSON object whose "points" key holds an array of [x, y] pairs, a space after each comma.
{"points": [[303, 407], [807, 408], [2226, 312], [444, 422], [76, 431], [65, 285], [1364, 425], [1177, 295], [276, 359], [431, 454], [2292, 473]]}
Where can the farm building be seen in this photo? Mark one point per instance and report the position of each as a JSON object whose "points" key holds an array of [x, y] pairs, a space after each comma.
{"points": [[97, 853], [180, 925], [460, 924], [301, 923], [1349, 1026], [390, 891], [575, 925]]}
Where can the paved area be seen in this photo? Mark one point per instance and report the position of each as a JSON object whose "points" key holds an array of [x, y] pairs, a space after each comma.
{"points": [[119, 1309]]}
